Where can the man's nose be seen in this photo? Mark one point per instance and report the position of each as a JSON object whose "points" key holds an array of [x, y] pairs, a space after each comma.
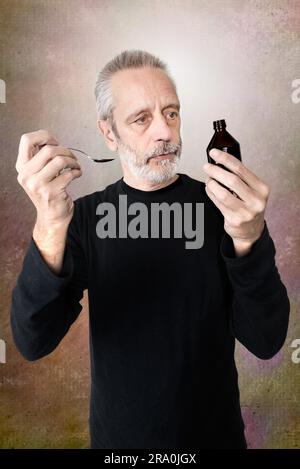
{"points": [[161, 130]]}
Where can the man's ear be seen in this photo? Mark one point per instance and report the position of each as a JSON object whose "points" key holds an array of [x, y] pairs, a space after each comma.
{"points": [[108, 135]]}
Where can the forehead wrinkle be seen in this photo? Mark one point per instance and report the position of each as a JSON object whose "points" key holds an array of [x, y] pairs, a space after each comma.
{"points": [[137, 87]]}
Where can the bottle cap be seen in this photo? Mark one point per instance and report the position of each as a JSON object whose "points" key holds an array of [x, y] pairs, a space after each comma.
{"points": [[219, 125]]}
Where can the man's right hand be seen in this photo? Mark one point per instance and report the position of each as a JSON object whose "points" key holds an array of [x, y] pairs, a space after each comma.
{"points": [[39, 165], [38, 173]]}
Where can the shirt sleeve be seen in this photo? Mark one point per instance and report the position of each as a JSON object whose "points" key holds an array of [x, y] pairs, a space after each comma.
{"points": [[44, 305], [260, 307]]}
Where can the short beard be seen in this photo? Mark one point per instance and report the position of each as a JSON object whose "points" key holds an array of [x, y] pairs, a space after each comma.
{"points": [[166, 169]]}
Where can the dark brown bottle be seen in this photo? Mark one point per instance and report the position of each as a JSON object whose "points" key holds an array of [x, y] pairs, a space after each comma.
{"points": [[222, 140]]}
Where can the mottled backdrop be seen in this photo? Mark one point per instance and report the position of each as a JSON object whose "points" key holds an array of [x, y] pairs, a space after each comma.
{"points": [[232, 59]]}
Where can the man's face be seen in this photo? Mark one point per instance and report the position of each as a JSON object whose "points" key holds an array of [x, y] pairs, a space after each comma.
{"points": [[148, 122]]}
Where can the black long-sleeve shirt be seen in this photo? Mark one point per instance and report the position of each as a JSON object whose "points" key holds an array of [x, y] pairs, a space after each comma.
{"points": [[163, 321]]}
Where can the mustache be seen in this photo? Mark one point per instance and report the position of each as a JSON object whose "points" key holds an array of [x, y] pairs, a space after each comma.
{"points": [[164, 151]]}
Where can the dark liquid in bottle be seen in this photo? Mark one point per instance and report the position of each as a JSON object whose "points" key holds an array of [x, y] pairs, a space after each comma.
{"points": [[222, 140]]}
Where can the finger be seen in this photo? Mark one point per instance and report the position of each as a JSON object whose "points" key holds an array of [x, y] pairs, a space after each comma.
{"points": [[226, 213], [55, 166], [28, 143], [64, 179], [237, 167], [232, 181], [223, 197], [46, 154]]}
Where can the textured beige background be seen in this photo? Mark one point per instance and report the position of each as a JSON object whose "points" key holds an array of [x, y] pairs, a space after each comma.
{"points": [[231, 59]]}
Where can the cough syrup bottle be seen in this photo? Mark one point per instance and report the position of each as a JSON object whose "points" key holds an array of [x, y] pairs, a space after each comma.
{"points": [[222, 140]]}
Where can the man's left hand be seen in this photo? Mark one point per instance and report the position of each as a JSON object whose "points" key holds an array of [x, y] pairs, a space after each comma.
{"points": [[243, 213]]}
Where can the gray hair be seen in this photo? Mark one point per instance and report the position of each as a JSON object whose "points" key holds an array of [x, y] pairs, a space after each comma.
{"points": [[126, 60]]}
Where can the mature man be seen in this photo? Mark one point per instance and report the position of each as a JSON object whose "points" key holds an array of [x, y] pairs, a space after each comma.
{"points": [[163, 318]]}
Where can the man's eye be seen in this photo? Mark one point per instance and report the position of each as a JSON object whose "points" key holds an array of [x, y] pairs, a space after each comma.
{"points": [[173, 112], [141, 118]]}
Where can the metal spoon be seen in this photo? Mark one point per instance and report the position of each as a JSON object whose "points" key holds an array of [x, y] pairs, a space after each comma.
{"points": [[103, 160]]}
